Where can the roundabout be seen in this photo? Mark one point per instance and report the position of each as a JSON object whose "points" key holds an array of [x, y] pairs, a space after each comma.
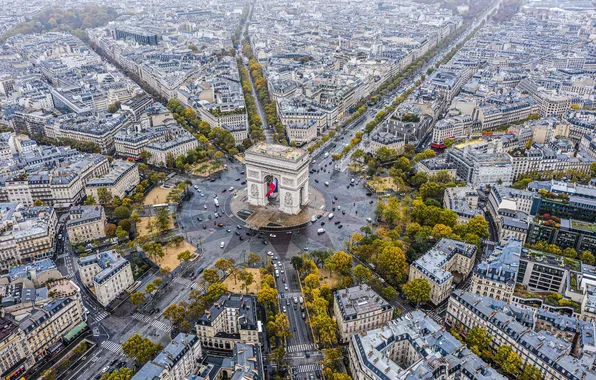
{"points": [[271, 218]]}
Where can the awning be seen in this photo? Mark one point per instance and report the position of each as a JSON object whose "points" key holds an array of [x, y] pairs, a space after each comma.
{"points": [[75, 331]]}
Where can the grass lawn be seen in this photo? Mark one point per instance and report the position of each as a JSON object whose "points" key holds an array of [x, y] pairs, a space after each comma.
{"points": [[381, 184], [142, 225], [238, 288], [170, 259], [331, 279], [205, 169], [583, 225], [157, 196]]}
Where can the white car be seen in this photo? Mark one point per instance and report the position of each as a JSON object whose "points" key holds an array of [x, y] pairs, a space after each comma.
{"points": [[284, 309], [282, 270], [272, 235], [286, 287], [205, 207], [231, 188], [222, 244], [269, 253]]}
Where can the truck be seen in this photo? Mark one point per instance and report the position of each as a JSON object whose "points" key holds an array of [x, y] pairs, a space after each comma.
{"points": [[216, 202]]}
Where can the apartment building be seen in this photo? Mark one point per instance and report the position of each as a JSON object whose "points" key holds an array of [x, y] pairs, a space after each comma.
{"points": [[509, 208], [572, 206], [478, 168], [122, 178], [414, 347], [26, 233], [588, 308], [86, 223], [496, 276], [543, 349], [180, 358], [446, 256], [15, 357], [463, 201], [130, 142], [492, 117], [451, 127], [435, 165], [244, 362], [230, 320], [301, 133], [180, 144], [96, 128], [543, 158], [45, 327], [108, 273], [546, 272], [359, 308], [234, 118]]}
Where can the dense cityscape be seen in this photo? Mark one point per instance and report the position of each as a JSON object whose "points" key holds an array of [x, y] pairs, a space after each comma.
{"points": [[273, 189]]}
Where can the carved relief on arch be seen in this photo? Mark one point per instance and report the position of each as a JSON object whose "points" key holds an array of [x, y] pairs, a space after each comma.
{"points": [[288, 199], [287, 181], [253, 173], [254, 190]]}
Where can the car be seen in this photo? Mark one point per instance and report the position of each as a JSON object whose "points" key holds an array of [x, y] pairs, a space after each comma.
{"points": [[316, 180], [338, 222], [301, 299], [212, 180], [276, 273], [295, 299], [272, 235], [286, 286], [277, 258], [216, 215], [269, 253], [224, 190], [311, 377], [343, 212], [237, 179], [289, 233], [242, 172], [340, 226], [105, 369], [303, 315], [228, 230], [322, 223], [205, 207], [284, 309], [237, 233], [288, 302], [335, 197], [371, 202], [369, 220], [192, 278], [238, 226], [214, 195], [282, 294], [241, 238], [199, 219], [86, 311], [243, 183], [204, 226], [282, 270], [232, 188], [219, 225], [196, 187], [202, 194]]}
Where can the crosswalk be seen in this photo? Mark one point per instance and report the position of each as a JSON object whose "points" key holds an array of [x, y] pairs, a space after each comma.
{"points": [[186, 282], [154, 323], [436, 317], [300, 347], [306, 368], [111, 346], [100, 315]]}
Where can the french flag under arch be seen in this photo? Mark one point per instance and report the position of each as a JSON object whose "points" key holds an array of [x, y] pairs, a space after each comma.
{"points": [[272, 187]]}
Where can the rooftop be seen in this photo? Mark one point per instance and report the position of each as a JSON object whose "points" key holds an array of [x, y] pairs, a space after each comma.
{"points": [[287, 153]]}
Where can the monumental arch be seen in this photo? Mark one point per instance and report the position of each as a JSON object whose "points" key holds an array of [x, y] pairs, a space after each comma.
{"points": [[283, 170]]}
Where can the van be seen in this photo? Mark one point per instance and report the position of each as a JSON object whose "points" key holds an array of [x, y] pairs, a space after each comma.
{"points": [[330, 216], [321, 231]]}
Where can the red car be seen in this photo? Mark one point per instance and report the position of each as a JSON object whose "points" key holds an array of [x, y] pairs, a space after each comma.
{"points": [[283, 279]]}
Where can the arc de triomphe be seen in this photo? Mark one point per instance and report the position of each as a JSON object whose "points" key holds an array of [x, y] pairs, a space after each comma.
{"points": [[286, 164]]}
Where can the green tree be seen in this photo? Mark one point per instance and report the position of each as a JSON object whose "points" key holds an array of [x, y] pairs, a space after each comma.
{"points": [[246, 278], [392, 265], [214, 291], [513, 364], [122, 212], [140, 350], [154, 250], [389, 293], [211, 276], [478, 340], [185, 256], [137, 298], [104, 196], [110, 229], [417, 290], [267, 296], [90, 201], [478, 226], [311, 282], [297, 262], [327, 329], [530, 372], [278, 355], [587, 257], [114, 107], [121, 234], [502, 354], [253, 258], [38, 203], [320, 255], [362, 274], [162, 216], [119, 374], [340, 262], [280, 326]]}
